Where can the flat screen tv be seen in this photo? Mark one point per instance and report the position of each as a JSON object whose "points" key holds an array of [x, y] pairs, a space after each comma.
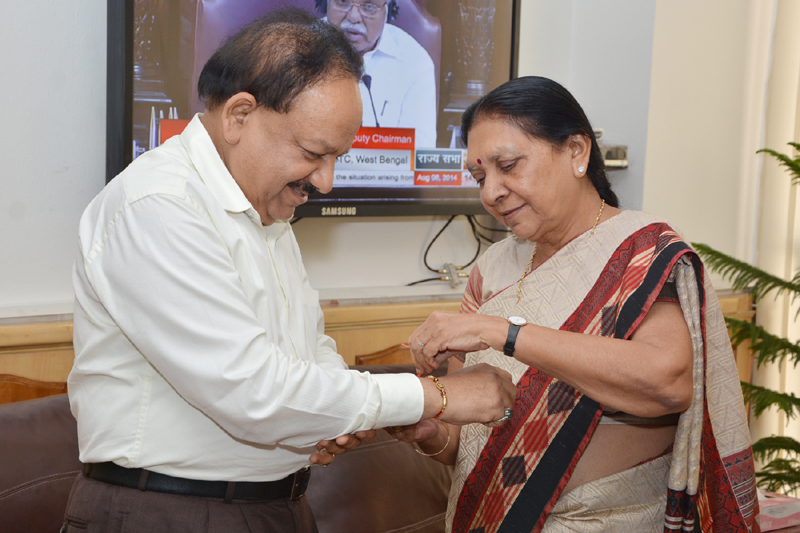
{"points": [[425, 61]]}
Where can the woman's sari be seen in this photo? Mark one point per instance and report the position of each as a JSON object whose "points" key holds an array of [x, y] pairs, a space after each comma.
{"points": [[511, 478]]}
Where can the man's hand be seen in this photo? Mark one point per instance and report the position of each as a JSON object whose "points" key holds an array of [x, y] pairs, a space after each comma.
{"points": [[478, 393], [329, 449]]}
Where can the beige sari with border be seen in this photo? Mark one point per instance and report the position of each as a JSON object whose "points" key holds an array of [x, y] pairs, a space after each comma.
{"points": [[512, 478]]}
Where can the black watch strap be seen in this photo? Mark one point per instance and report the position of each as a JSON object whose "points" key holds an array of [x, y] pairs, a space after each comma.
{"points": [[511, 340]]}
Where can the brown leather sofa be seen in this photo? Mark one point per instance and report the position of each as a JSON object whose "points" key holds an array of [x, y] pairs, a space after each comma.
{"points": [[381, 486]]}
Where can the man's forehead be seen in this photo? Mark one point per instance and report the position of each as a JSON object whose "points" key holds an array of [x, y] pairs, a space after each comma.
{"points": [[327, 104], [322, 145]]}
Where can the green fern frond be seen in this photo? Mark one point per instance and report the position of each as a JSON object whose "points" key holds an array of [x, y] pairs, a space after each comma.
{"points": [[793, 164], [761, 399], [768, 448], [743, 275], [766, 347], [780, 475]]}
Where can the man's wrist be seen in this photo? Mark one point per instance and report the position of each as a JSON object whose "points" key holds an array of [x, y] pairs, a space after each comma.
{"points": [[433, 398]]}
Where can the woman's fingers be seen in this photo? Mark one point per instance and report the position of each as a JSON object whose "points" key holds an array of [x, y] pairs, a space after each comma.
{"points": [[419, 432], [424, 363], [445, 334]]}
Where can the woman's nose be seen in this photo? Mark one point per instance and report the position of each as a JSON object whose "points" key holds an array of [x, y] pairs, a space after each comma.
{"points": [[493, 191]]}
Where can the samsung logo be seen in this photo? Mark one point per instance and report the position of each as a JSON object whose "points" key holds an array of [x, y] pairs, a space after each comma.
{"points": [[338, 211]]}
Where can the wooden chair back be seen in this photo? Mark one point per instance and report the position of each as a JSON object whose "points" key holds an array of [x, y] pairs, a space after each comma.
{"points": [[17, 389], [398, 354]]}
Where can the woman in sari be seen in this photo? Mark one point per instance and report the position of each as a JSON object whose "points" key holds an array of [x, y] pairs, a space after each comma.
{"points": [[629, 416]]}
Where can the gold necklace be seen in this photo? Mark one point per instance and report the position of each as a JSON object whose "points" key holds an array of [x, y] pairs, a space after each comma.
{"points": [[536, 247], [602, 205], [527, 271]]}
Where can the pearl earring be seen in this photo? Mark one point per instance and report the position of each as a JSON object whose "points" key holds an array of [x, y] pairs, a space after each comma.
{"points": [[580, 169]]}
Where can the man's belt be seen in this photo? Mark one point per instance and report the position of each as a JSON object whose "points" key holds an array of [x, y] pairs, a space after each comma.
{"points": [[292, 486]]}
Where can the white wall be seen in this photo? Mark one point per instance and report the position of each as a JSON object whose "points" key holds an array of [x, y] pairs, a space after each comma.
{"points": [[601, 52], [52, 56], [380, 252], [696, 120], [52, 144]]}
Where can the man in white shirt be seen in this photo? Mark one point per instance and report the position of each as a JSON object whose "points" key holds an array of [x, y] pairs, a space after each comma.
{"points": [[203, 382], [398, 89]]}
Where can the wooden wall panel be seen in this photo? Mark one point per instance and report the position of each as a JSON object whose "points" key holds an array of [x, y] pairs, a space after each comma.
{"points": [[43, 350], [740, 306], [361, 330], [37, 350], [32, 334], [40, 364]]}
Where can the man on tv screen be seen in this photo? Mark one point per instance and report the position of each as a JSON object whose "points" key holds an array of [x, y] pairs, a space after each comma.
{"points": [[398, 89]]}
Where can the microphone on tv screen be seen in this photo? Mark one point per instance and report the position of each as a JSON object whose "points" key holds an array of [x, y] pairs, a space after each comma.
{"points": [[367, 79]]}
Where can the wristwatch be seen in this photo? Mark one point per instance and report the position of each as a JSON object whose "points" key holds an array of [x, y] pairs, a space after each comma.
{"points": [[515, 322]]}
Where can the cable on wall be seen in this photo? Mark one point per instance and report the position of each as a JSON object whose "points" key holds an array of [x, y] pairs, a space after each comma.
{"points": [[423, 281], [428, 249], [450, 272], [487, 228], [478, 235]]}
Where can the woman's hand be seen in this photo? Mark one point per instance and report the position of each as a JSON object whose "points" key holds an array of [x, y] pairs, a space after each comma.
{"points": [[445, 334], [435, 439], [422, 431]]}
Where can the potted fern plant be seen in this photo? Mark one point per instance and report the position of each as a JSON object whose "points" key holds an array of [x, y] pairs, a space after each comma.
{"points": [[780, 455]]}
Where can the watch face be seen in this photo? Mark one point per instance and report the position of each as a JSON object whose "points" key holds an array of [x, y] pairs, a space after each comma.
{"points": [[517, 320]]}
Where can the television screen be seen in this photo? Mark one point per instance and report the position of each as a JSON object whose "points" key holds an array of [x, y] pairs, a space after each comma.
{"points": [[425, 62]]}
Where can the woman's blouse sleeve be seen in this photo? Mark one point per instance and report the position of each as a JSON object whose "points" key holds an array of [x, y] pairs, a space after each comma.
{"points": [[473, 294]]}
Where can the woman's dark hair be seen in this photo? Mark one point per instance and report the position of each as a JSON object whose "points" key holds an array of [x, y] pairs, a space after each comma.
{"points": [[276, 57], [544, 110]]}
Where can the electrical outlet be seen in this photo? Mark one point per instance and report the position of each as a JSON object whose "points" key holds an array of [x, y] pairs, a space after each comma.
{"points": [[615, 157]]}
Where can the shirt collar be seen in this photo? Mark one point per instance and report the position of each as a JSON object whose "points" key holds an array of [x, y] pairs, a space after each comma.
{"points": [[212, 169], [386, 45]]}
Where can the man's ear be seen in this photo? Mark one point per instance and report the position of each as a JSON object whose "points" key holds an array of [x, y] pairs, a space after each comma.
{"points": [[235, 115]]}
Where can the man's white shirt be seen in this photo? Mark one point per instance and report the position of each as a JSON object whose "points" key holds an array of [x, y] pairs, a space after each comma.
{"points": [[199, 344], [403, 86]]}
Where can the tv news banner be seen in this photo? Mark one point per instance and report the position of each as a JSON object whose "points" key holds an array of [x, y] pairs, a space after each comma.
{"points": [[381, 157], [385, 157]]}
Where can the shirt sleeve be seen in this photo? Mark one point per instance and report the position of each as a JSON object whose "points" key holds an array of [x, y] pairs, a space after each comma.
{"points": [[168, 282]]}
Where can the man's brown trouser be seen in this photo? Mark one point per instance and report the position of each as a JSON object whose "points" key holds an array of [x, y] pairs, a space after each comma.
{"points": [[97, 507]]}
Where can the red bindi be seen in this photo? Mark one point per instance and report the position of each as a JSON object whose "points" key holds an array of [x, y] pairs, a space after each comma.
{"points": [[480, 162]]}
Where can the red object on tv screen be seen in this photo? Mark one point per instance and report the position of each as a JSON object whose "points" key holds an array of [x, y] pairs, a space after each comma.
{"points": [[169, 127]]}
